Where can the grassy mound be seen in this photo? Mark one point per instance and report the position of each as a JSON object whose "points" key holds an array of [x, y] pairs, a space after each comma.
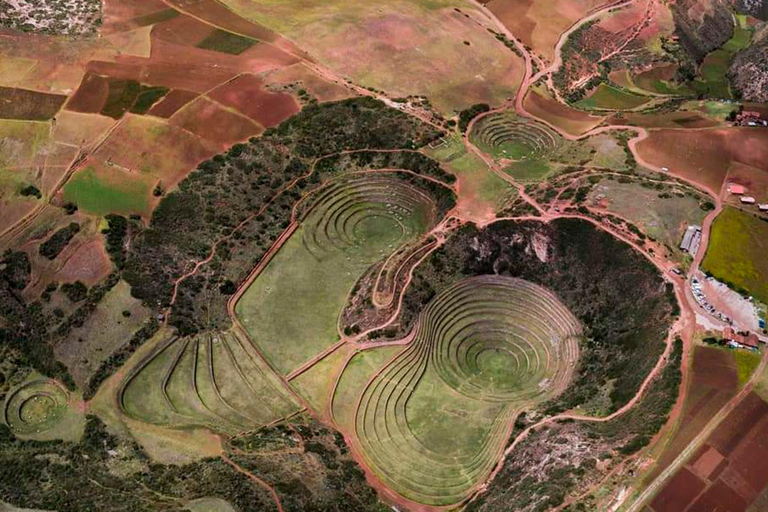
{"points": [[212, 380], [505, 135], [433, 422]]}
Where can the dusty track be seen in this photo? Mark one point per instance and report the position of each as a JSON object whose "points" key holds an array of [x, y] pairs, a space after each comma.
{"points": [[257, 480]]}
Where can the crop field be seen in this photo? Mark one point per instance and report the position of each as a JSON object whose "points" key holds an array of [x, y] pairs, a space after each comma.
{"points": [[399, 46], [575, 122], [108, 190], [215, 380], [539, 23], [42, 409], [432, 421], [505, 135], [714, 381], [725, 473], [663, 218], [226, 42], [606, 97], [247, 95], [29, 105], [736, 252], [292, 308], [703, 156]]}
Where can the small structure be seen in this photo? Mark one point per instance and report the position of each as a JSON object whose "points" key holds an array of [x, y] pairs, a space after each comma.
{"points": [[691, 240], [736, 340], [747, 199], [763, 207], [735, 188], [749, 118]]}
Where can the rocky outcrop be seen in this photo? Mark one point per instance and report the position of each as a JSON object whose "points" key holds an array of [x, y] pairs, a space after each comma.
{"points": [[749, 69], [701, 33]]}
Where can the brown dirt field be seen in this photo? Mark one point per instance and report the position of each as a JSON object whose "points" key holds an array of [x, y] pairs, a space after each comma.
{"points": [[307, 79], [719, 498], [574, 122], [212, 122], [175, 75], [740, 421], [679, 492], [220, 16], [680, 119], [707, 462], [183, 30], [118, 14], [78, 129], [89, 264], [24, 104], [714, 381], [246, 94], [749, 459], [172, 102], [90, 97], [539, 23], [151, 146]]}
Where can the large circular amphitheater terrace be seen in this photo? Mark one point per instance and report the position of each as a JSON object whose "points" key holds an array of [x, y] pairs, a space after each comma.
{"points": [[433, 422], [506, 135], [372, 213]]}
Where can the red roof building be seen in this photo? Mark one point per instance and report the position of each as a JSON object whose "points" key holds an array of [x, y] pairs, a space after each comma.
{"points": [[749, 340], [735, 188]]}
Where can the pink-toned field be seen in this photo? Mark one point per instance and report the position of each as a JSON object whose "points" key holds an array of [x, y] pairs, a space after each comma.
{"points": [[213, 122], [246, 94], [539, 23], [705, 155], [572, 121], [172, 102]]}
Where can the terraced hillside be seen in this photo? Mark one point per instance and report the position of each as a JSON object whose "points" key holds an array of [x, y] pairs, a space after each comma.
{"points": [[506, 135], [213, 380], [433, 422], [292, 308]]}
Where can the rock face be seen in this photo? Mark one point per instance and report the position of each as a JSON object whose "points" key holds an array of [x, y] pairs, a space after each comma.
{"points": [[756, 8], [749, 70], [702, 25]]}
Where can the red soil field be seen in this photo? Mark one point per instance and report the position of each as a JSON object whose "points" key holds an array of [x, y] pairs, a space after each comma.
{"points": [[680, 119], [714, 381], [89, 264], [247, 95], [704, 155], [182, 30], [679, 492], [734, 482], [178, 75], [220, 16], [172, 102], [90, 96], [574, 122], [119, 15], [210, 121]]}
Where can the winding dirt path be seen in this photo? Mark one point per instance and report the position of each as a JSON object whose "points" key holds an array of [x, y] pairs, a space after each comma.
{"points": [[261, 483]]}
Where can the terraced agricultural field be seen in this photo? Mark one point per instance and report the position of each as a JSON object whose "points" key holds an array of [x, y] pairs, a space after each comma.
{"points": [[433, 422], [291, 310], [214, 380], [505, 135], [41, 409]]}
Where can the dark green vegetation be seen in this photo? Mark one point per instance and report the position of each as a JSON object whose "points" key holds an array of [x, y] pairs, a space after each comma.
{"points": [[317, 475], [116, 233], [516, 487], [147, 97], [226, 42], [241, 201], [467, 115], [29, 105], [618, 296], [59, 240]]}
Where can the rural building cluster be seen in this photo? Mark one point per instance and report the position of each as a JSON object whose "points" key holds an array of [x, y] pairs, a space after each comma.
{"points": [[740, 190], [691, 240]]}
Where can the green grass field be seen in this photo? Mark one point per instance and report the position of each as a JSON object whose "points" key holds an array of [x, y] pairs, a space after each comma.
{"points": [[529, 170], [606, 97], [737, 252], [43, 410], [96, 193], [746, 363], [291, 310], [662, 218]]}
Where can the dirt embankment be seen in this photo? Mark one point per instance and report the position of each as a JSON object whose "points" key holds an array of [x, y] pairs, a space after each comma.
{"points": [[749, 70]]}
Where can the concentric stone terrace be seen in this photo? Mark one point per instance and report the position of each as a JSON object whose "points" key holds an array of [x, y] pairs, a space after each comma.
{"points": [[485, 348], [35, 407], [505, 135], [374, 213]]}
